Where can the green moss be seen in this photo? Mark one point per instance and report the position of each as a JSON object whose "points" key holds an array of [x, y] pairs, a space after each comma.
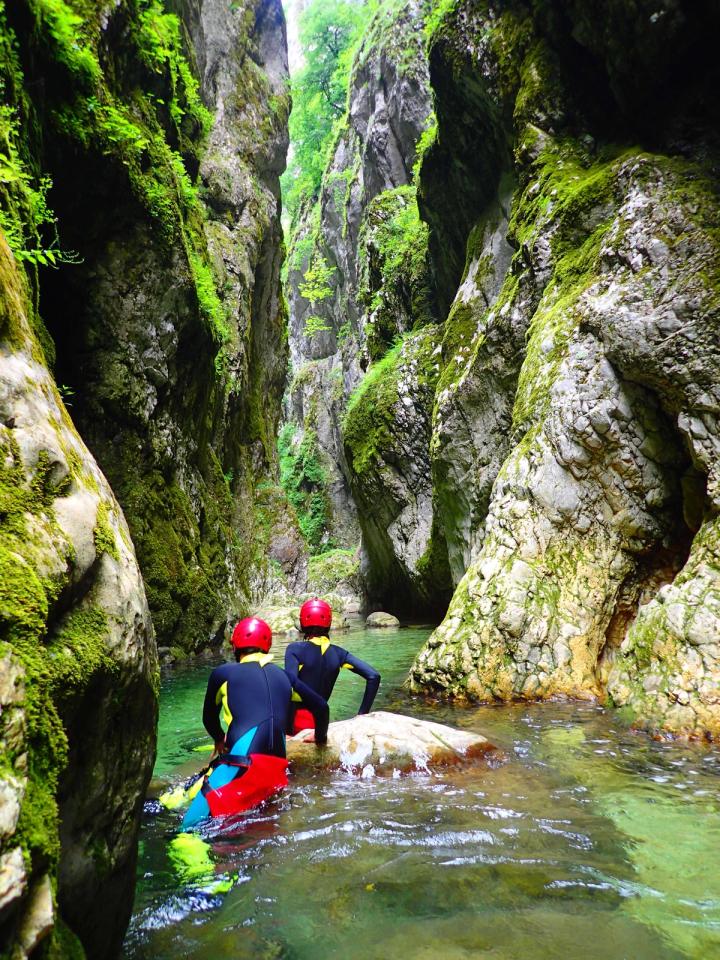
{"points": [[433, 567], [370, 414], [394, 274], [439, 11], [370, 418], [574, 204], [103, 532], [153, 130], [184, 565], [304, 480], [63, 944], [331, 568]]}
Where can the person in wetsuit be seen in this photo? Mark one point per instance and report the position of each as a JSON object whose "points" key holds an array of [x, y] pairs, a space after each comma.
{"points": [[254, 697], [319, 662]]}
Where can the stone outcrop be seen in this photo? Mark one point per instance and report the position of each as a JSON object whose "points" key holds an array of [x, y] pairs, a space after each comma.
{"points": [[78, 667], [357, 265], [574, 432], [381, 742], [380, 620]]}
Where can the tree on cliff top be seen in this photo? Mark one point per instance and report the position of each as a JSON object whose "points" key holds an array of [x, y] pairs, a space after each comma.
{"points": [[329, 31]]}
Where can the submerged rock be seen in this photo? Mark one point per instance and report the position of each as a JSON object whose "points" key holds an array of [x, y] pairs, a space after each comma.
{"points": [[380, 619], [389, 741]]}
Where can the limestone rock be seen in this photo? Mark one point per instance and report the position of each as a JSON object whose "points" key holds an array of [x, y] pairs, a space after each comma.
{"points": [[366, 187], [283, 621], [380, 619], [71, 588], [13, 879], [387, 432], [39, 917], [388, 741], [575, 430], [176, 355]]}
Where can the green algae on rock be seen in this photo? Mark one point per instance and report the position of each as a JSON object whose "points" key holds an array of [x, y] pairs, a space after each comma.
{"points": [[78, 663], [566, 396], [386, 432], [176, 123]]}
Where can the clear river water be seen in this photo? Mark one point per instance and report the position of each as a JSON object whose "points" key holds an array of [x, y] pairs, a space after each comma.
{"points": [[586, 841]]}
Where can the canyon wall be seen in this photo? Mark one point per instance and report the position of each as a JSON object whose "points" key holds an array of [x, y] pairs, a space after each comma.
{"points": [[143, 361]]}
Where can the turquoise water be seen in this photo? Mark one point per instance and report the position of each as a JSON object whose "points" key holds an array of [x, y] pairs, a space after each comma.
{"points": [[587, 841]]}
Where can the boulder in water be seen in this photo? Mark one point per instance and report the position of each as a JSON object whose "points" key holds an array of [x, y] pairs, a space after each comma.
{"points": [[381, 619], [390, 741]]}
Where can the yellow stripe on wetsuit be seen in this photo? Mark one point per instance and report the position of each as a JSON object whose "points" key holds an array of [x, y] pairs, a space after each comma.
{"points": [[323, 643], [221, 697]]}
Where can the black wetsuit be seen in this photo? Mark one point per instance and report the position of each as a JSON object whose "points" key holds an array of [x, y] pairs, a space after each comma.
{"points": [[255, 701], [320, 670]]}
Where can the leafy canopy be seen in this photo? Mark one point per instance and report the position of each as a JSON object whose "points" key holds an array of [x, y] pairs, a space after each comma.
{"points": [[329, 31]]}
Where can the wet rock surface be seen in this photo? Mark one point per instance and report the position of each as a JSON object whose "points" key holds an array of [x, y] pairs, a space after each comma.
{"points": [[383, 742]]}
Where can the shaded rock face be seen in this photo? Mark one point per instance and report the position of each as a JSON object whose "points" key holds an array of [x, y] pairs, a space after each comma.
{"points": [[574, 443], [78, 667], [171, 330], [387, 433], [389, 106]]}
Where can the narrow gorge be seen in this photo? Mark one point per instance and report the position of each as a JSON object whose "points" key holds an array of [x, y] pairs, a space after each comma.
{"points": [[443, 341]]}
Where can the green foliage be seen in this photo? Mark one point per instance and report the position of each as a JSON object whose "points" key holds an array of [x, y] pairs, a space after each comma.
{"points": [[304, 480], [439, 10], [67, 29], [427, 139], [315, 286], [315, 325], [329, 31], [26, 219], [400, 235], [394, 278], [160, 45], [208, 299], [152, 129]]}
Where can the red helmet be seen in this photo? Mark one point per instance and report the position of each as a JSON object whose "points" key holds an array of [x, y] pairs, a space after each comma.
{"points": [[252, 632], [315, 613]]}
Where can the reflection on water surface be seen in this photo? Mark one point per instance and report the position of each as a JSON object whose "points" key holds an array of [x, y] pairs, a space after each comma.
{"points": [[590, 841]]}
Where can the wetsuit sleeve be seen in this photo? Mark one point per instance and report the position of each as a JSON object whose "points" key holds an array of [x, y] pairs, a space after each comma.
{"points": [[317, 706], [371, 676], [211, 708], [292, 662]]}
